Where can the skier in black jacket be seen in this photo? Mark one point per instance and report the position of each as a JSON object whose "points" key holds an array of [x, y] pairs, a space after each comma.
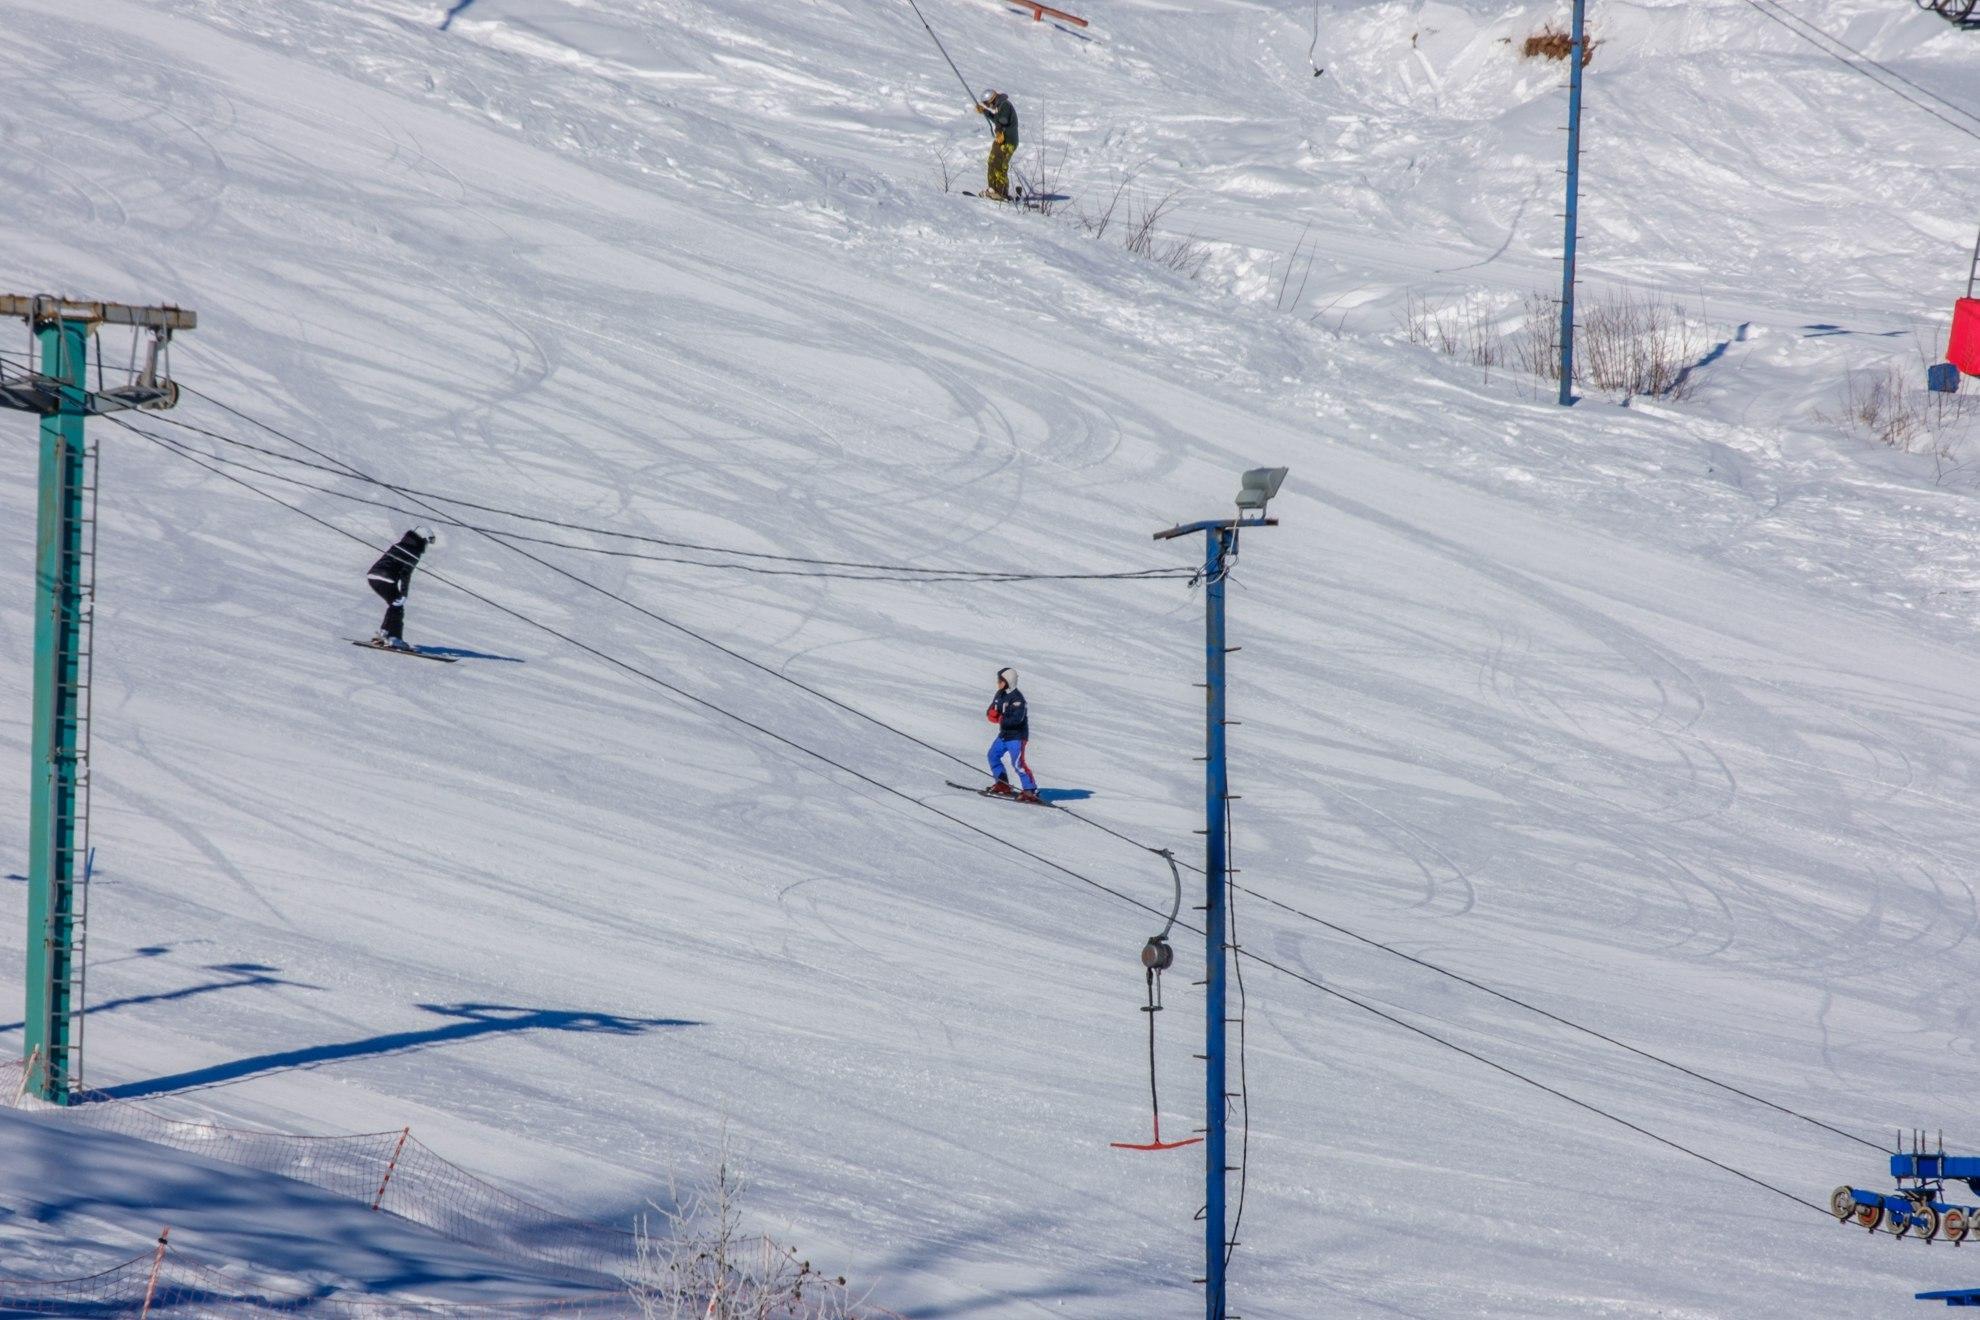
{"points": [[391, 578], [1013, 720]]}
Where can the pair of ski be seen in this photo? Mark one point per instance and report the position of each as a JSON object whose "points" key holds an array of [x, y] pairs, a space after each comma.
{"points": [[992, 793], [417, 652], [1028, 201]]}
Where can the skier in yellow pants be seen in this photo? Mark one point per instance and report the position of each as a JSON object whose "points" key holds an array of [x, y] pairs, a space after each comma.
{"points": [[997, 108]]}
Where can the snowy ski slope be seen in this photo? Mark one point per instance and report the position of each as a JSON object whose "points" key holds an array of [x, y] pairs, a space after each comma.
{"points": [[1661, 717]]}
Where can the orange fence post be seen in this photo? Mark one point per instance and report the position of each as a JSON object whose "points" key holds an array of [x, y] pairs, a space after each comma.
{"points": [[392, 1164], [157, 1261], [1038, 12]]}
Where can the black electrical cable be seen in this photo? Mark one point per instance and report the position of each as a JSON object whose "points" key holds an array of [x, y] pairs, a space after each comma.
{"points": [[902, 573], [358, 474], [638, 672], [1874, 63], [921, 572], [967, 89], [1556, 1018], [645, 612], [1126, 838], [1474, 1055], [345, 471], [1244, 1003], [1763, 9], [998, 839]]}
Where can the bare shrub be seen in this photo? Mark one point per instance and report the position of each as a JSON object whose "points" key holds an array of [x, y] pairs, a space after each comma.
{"points": [[945, 170], [1136, 223], [696, 1263], [1537, 345], [1554, 42], [1624, 344], [1467, 331], [1883, 404], [1043, 172], [1630, 345], [1279, 301], [1877, 405]]}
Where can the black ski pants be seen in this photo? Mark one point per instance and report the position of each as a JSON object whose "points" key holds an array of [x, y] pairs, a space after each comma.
{"points": [[394, 596]]}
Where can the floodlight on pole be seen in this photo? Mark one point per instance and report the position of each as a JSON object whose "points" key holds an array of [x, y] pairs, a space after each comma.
{"points": [[1256, 489]]}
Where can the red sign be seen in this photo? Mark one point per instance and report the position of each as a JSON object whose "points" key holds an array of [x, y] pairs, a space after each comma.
{"points": [[1963, 348]]}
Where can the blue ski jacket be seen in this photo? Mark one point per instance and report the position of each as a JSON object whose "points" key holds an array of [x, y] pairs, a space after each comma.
{"points": [[1009, 713]]}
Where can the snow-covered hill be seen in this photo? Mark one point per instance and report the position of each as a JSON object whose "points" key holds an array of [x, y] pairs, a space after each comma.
{"points": [[1661, 717]]}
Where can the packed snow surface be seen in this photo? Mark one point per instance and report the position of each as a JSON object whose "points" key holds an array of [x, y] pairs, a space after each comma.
{"points": [[1663, 717]]}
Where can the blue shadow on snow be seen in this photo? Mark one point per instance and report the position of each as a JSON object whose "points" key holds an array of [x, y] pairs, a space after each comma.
{"points": [[1718, 351], [1822, 330], [1065, 794], [462, 653], [245, 976], [472, 1020], [448, 21]]}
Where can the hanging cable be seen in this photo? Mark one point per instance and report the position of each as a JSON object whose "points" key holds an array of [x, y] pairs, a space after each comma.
{"points": [[887, 572], [1336, 927], [967, 89], [1768, 8], [991, 836], [1559, 1020], [344, 471], [644, 612], [1157, 957], [650, 677], [1244, 1079], [1129, 839], [893, 572]]}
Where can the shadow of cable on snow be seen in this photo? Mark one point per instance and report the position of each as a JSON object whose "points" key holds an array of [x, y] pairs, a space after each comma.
{"points": [[471, 1021], [453, 13]]}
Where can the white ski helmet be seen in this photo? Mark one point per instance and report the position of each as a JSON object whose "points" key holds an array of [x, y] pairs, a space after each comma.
{"points": [[428, 535], [1008, 677]]}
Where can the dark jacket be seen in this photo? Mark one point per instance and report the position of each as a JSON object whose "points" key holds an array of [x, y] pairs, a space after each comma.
{"points": [[1003, 118], [397, 564], [1008, 712]]}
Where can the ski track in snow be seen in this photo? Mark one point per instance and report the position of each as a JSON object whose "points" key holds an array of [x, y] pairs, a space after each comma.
{"points": [[1662, 717]]}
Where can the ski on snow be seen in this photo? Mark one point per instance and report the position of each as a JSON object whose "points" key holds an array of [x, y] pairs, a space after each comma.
{"points": [[984, 792], [414, 651]]}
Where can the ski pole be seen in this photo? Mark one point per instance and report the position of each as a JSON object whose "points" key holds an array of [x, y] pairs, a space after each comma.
{"points": [[945, 52]]}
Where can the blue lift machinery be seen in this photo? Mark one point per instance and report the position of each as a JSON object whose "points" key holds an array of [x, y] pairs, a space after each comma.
{"points": [[1919, 1208]]}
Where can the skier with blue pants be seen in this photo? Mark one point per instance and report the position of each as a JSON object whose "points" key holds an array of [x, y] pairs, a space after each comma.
{"points": [[1009, 713]]}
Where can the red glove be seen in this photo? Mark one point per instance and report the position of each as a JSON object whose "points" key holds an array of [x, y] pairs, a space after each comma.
{"points": [[993, 716]]}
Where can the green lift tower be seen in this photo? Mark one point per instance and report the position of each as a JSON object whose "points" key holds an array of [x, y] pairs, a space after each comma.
{"points": [[64, 588]]}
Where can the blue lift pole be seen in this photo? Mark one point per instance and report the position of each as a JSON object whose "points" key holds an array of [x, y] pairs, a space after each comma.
{"points": [[1573, 193], [53, 864], [1218, 544]]}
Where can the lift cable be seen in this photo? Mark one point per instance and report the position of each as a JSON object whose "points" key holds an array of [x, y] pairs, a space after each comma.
{"points": [[894, 573], [1284, 970], [1775, 11], [1336, 927]]}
